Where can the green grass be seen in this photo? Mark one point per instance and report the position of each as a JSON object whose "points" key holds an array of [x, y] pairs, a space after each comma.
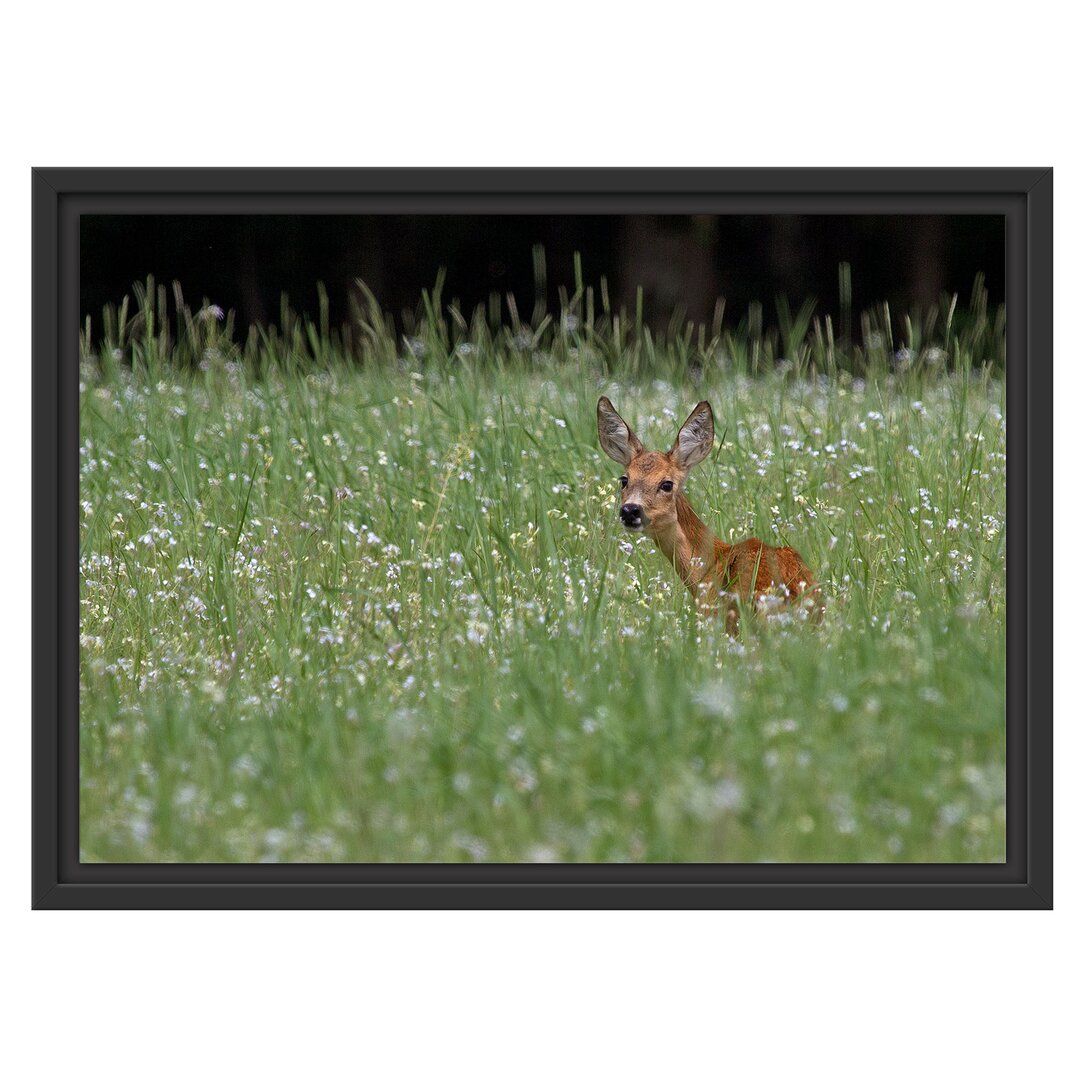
{"points": [[384, 611]]}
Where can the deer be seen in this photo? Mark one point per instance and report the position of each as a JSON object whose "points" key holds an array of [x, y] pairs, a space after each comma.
{"points": [[720, 576]]}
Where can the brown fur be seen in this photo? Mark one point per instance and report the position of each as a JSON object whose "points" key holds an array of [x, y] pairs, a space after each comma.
{"points": [[719, 576]]}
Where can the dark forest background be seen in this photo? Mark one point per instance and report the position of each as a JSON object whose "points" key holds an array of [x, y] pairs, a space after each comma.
{"points": [[682, 263]]}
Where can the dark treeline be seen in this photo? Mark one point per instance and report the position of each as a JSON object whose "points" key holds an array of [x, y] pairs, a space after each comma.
{"points": [[681, 263]]}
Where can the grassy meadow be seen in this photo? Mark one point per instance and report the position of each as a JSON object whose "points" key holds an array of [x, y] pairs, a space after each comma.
{"points": [[365, 597]]}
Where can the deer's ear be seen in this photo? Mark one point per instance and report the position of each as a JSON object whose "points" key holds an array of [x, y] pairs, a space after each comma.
{"points": [[616, 439], [695, 437]]}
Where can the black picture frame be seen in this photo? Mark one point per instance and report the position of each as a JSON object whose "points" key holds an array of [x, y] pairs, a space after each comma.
{"points": [[59, 196]]}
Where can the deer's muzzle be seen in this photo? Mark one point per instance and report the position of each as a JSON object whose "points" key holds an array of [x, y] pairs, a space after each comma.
{"points": [[632, 516]]}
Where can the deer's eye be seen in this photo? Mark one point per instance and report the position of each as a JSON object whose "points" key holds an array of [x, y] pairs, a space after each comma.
{"points": [[666, 485], [624, 480]]}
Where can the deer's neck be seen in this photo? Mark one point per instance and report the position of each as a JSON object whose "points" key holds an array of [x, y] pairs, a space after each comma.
{"points": [[690, 544]]}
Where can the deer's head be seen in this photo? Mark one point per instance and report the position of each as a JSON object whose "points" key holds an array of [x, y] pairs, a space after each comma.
{"points": [[652, 479]]}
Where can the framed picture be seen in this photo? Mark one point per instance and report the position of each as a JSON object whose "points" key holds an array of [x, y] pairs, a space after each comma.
{"points": [[535, 538]]}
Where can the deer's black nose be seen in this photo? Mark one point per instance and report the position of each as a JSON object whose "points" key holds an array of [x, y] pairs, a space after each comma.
{"points": [[630, 514]]}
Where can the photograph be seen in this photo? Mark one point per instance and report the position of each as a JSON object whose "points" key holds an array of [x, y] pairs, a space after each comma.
{"points": [[541, 542], [506, 538]]}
